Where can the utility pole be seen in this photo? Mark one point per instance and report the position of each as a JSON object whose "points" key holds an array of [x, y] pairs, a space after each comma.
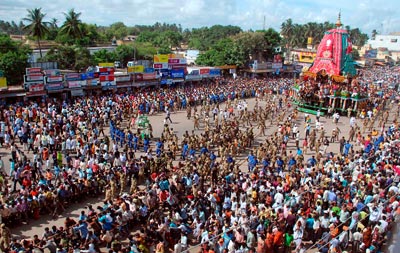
{"points": [[264, 24]]}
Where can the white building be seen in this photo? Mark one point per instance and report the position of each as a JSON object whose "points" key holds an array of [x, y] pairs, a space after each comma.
{"points": [[391, 42]]}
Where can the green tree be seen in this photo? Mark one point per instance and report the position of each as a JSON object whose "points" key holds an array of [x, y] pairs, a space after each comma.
{"points": [[53, 29], [13, 59], [125, 53], [104, 55], [72, 26], [36, 26], [273, 40]]}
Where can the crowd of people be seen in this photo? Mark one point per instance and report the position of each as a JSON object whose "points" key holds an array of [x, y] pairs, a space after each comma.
{"points": [[175, 191]]}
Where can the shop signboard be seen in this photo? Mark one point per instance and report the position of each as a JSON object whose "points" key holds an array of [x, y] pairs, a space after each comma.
{"points": [[160, 65], [177, 73], [149, 76], [204, 71], [136, 69], [177, 61], [76, 84], [36, 87], [34, 77], [215, 72], [54, 86], [72, 77], [3, 83], [54, 79], [30, 71], [160, 58]]}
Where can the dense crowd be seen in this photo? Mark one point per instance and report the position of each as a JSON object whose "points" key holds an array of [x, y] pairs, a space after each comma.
{"points": [[179, 191]]}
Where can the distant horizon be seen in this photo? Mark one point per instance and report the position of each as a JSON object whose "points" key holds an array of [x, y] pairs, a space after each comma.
{"points": [[247, 14]]}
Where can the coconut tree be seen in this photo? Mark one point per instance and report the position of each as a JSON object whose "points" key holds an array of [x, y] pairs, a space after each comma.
{"points": [[36, 27], [72, 25]]}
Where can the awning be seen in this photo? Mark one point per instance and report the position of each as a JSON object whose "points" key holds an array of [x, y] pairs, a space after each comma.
{"points": [[10, 95], [77, 92]]}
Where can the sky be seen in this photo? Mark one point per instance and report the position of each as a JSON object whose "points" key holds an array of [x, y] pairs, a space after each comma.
{"points": [[382, 15]]}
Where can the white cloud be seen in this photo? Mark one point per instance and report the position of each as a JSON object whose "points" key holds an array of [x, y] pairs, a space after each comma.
{"points": [[248, 14]]}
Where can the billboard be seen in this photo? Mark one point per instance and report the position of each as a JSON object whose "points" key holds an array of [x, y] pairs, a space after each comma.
{"points": [[177, 73], [307, 57], [204, 71], [215, 72], [76, 84], [136, 69], [177, 61], [3, 83], [52, 72], [160, 65], [108, 83], [106, 78], [106, 64], [72, 77], [36, 87], [138, 77], [54, 79], [371, 54], [30, 71], [148, 70], [160, 58], [34, 77], [149, 76], [54, 86]]}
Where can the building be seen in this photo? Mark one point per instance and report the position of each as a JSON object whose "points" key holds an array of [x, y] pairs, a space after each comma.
{"points": [[383, 48], [391, 42]]}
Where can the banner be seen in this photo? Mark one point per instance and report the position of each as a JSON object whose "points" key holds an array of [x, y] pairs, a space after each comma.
{"points": [[108, 70], [34, 77], [124, 78], [33, 71], [54, 86], [108, 83], [3, 83], [72, 77], [148, 70], [204, 71], [160, 65], [52, 72], [54, 79], [76, 84], [193, 78], [160, 58], [177, 73], [136, 69], [215, 72], [36, 87], [276, 65], [177, 66], [138, 77], [307, 57], [149, 76], [106, 64], [106, 78], [177, 61]]}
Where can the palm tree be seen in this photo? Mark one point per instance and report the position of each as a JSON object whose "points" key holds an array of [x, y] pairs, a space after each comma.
{"points": [[287, 28], [36, 27], [53, 23], [72, 24]]}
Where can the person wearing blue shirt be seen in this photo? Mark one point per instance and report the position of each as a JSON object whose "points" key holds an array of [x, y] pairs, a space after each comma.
{"points": [[203, 150], [159, 145], [146, 143], [184, 151], [347, 147], [312, 161], [252, 162], [292, 162], [135, 142], [82, 228]]}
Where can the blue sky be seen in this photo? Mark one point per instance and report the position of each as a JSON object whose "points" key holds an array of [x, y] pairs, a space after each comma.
{"points": [[248, 14]]}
